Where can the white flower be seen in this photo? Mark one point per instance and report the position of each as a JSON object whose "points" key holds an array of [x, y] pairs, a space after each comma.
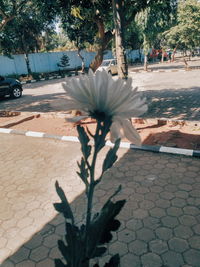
{"points": [[99, 93]]}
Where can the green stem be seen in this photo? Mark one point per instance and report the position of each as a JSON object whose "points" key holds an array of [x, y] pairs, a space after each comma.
{"points": [[100, 135], [91, 190]]}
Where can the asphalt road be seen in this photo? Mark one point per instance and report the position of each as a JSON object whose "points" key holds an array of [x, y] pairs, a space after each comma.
{"points": [[169, 95]]}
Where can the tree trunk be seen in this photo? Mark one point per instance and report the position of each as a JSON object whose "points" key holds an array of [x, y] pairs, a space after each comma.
{"points": [[104, 39], [82, 61], [118, 6], [27, 63], [163, 55], [145, 51], [5, 21], [145, 62], [174, 52]]}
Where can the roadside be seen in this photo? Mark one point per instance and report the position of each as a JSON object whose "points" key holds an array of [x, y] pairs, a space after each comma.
{"points": [[167, 66], [153, 132], [159, 223]]}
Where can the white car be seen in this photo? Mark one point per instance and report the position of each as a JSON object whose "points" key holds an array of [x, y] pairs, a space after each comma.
{"points": [[109, 65]]}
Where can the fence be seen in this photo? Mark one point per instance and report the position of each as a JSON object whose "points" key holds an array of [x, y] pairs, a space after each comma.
{"points": [[47, 62]]}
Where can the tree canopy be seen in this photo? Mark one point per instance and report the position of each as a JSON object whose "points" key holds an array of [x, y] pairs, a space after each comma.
{"points": [[186, 34]]}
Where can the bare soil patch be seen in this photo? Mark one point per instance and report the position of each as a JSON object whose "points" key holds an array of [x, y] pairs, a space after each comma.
{"points": [[181, 134]]}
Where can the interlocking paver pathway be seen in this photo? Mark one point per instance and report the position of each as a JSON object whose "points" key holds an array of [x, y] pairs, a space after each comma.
{"points": [[160, 223]]}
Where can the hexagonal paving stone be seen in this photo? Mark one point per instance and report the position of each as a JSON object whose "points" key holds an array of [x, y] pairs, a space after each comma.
{"points": [[60, 229], [195, 193], [146, 204], [172, 259], [181, 194], [196, 229], [151, 222], [185, 187], [171, 188], [34, 242], [126, 236], [157, 212], [118, 247], [55, 253], [158, 246], [183, 231], [170, 221], [39, 254], [21, 255], [192, 257], [164, 233], [140, 214], [151, 196], [188, 220], [51, 240], [134, 224], [151, 259], [191, 210], [46, 262], [26, 263], [195, 242], [156, 188], [166, 195], [178, 244], [145, 234], [8, 263], [174, 211], [138, 247], [163, 203], [178, 202], [130, 260]]}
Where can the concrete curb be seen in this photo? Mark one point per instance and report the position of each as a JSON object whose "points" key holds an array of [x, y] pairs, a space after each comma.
{"points": [[191, 68], [150, 71], [157, 149], [73, 74], [47, 78]]}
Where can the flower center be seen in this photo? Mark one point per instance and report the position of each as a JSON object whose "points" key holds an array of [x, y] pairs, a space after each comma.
{"points": [[100, 115]]}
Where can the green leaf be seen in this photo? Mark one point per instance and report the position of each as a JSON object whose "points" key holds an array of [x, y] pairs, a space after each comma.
{"points": [[114, 261], [102, 225], [111, 156], [83, 174], [64, 206], [99, 251], [84, 140], [59, 263]]}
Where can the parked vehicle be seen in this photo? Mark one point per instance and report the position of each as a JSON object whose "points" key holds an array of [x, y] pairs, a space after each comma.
{"points": [[11, 87], [109, 65]]}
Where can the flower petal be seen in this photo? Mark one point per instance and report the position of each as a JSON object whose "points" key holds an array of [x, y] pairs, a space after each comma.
{"points": [[115, 132], [130, 132]]}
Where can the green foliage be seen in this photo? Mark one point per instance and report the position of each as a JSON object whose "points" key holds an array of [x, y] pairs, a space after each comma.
{"points": [[185, 34], [111, 156], [153, 20], [75, 251], [64, 61], [88, 241]]}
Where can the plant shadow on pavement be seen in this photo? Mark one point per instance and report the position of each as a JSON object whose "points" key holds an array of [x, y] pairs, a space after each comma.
{"points": [[168, 103], [182, 104], [174, 138], [140, 218], [54, 102]]}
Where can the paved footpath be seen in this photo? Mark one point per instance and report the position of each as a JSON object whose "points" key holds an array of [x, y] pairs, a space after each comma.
{"points": [[160, 223]]}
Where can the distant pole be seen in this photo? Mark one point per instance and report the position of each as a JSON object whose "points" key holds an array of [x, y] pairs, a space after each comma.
{"points": [[118, 6]]}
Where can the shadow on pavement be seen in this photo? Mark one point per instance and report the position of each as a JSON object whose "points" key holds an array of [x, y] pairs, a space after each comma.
{"points": [[32, 103], [161, 209], [183, 103], [174, 138]]}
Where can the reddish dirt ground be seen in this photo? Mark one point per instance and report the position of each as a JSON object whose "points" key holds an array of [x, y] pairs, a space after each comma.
{"points": [[153, 132]]}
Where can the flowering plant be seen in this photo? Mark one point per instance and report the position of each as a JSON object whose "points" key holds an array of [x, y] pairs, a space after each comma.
{"points": [[111, 103]]}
